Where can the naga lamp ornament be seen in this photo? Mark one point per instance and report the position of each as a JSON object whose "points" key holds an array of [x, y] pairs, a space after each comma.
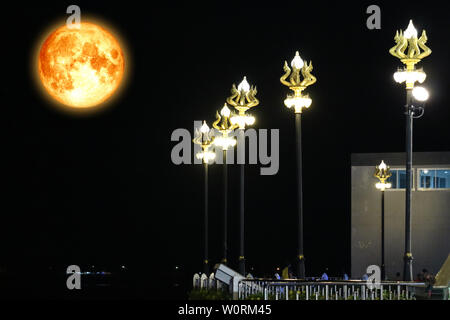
{"points": [[410, 50], [242, 99], [204, 138], [298, 100], [224, 125], [382, 172]]}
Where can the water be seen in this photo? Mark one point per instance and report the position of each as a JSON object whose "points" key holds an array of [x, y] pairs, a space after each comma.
{"points": [[52, 285]]}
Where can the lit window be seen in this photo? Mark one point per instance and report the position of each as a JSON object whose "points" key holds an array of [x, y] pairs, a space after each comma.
{"points": [[393, 179], [398, 179], [434, 178]]}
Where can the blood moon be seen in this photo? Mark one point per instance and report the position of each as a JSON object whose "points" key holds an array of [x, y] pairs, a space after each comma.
{"points": [[81, 67]]}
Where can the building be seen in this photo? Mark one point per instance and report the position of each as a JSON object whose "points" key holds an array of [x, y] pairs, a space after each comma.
{"points": [[430, 212]]}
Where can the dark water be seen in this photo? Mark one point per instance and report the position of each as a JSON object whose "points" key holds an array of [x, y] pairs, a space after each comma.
{"points": [[52, 285]]}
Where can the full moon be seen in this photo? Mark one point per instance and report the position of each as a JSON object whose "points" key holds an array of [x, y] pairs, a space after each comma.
{"points": [[81, 67]]}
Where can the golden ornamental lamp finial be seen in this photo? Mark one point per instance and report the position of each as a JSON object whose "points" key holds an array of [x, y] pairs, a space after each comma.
{"points": [[410, 50], [225, 126], [242, 99], [382, 172], [204, 138], [296, 84]]}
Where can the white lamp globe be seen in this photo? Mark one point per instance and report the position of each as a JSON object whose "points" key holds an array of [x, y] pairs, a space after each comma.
{"points": [[410, 32], [297, 62], [420, 93], [244, 85], [225, 111]]}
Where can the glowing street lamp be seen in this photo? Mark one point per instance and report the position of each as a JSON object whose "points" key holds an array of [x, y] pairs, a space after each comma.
{"points": [[382, 172], [410, 50], [242, 99], [224, 125], [298, 101], [204, 138], [420, 94]]}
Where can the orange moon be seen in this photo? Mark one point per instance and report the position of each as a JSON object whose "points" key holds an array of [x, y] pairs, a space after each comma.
{"points": [[81, 68]]}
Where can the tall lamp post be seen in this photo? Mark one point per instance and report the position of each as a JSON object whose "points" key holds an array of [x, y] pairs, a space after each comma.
{"points": [[204, 138], [299, 101], [410, 50], [242, 99], [225, 127], [382, 172]]}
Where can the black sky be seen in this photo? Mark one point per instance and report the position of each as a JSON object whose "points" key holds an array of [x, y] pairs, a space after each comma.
{"points": [[102, 189]]}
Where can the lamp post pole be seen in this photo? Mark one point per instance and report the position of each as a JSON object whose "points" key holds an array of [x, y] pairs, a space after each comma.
{"points": [[410, 50], [383, 266], [382, 172], [204, 139], [242, 208], [301, 259], [407, 266], [298, 101], [225, 208], [243, 97], [224, 125], [205, 266]]}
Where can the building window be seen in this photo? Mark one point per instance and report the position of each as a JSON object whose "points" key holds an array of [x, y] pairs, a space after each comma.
{"points": [[434, 178], [398, 178]]}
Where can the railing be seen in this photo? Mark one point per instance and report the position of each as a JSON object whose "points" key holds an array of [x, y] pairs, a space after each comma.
{"points": [[202, 281], [269, 289]]}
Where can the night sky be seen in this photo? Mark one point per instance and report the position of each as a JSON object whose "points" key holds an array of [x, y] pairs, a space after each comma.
{"points": [[102, 190]]}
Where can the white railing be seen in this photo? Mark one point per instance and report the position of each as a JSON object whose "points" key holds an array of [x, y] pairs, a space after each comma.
{"points": [[269, 289], [202, 281]]}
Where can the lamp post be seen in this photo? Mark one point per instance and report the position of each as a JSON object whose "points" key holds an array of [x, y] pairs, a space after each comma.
{"points": [[410, 50], [242, 99], [382, 172], [225, 127], [204, 138], [299, 101]]}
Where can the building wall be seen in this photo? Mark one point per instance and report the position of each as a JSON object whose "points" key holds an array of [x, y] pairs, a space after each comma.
{"points": [[430, 217]]}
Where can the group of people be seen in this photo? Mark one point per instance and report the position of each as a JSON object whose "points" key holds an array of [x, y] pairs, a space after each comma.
{"points": [[287, 273], [424, 276]]}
